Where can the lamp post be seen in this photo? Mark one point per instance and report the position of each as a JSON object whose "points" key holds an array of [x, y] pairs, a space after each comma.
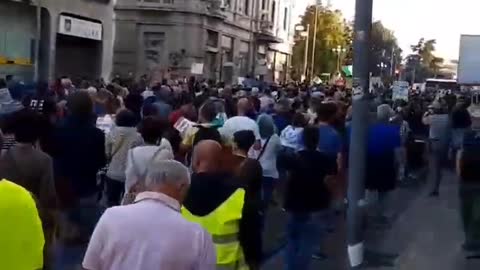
{"points": [[381, 66], [38, 36], [339, 51], [305, 33], [312, 73]]}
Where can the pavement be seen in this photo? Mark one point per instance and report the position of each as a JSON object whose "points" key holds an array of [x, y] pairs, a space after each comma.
{"points": [[425, 234]]}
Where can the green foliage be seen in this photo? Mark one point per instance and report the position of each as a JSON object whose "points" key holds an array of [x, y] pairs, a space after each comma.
{"points": [[383, 49], [332, 31], [422, 63]]}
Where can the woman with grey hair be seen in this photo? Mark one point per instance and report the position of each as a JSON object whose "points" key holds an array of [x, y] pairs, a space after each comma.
{"points": [[384, 113], [271, 147]]}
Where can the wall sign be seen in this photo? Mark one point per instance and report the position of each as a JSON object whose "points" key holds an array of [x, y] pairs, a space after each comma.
{"points": [[80, 28]]}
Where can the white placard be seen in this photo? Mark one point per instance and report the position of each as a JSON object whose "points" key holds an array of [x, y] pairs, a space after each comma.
{"points": [[400, 90], [197, 68], [80, 28], [184, 126]]}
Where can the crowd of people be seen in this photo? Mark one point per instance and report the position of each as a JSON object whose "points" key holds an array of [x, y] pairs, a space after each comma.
{"points": [[181, 175]]}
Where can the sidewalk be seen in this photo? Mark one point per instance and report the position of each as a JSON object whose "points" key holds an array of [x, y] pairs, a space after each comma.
{"points": [[426, 234], [429, 234]]}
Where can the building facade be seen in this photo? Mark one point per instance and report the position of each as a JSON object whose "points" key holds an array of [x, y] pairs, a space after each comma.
{"points": [[76, 38], [221, 40]]}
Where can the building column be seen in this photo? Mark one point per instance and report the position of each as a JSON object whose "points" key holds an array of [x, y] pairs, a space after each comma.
{"points": [[52, 45]]}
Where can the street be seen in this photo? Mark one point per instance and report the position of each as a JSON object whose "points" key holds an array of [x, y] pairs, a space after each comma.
{"points": [[426, 234]]}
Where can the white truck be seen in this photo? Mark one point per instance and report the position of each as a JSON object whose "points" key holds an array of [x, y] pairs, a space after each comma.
{"points": [[469, 61]]}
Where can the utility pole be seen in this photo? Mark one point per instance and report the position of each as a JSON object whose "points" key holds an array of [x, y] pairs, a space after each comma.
{"points": [[253, 24], [358, 140], [312, 73], [38, 37], [305, 65]]}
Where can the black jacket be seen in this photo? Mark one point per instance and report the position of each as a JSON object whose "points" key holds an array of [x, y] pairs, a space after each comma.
{"points": [[78, 154], [210, 190]]}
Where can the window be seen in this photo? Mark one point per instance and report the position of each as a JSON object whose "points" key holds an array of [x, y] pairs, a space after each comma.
{"points": [[153, 43], [227, 48], [246, 7], [274, 7], [212, 38], [285, 19], [243, 57], [264, 4]]}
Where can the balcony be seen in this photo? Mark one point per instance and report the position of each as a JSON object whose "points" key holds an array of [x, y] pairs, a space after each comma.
{"points": [[266, 32], [157, 3]]}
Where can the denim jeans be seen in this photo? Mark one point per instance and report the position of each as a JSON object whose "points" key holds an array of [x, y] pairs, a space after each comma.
{"points": [[85, 215], [268, 186], [438, 158], [457, 138], [304, 232]]}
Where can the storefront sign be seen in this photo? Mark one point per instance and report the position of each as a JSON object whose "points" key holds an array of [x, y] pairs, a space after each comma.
{"points": [[80, 28]]}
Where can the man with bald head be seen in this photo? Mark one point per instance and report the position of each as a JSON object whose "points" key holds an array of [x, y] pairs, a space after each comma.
{"points": [[224, 209], [240, 122]]}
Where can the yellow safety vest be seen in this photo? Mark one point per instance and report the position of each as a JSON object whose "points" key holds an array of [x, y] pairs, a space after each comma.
{"points": [[224, 226], [21, 233]]}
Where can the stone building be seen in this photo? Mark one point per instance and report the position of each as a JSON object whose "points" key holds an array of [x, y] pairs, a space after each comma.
{"points": [[76, 38], [214, 39]]}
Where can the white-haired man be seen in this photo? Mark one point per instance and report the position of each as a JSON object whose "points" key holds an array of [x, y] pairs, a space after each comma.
{"points": [[151, 233]]}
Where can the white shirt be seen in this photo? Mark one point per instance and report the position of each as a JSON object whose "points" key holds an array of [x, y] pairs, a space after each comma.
{"points": [[150, 234], [268, 160], [237, 123]]}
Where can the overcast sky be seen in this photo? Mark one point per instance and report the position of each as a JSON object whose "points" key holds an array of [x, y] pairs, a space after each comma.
{"points": [[443, 20]]}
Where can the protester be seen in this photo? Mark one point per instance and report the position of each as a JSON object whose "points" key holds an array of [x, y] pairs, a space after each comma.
{"points": [[282, 115], [206, 129], [119, 141], [151, 233], [468, 171], [461, 123], [223, 209], [384, 144], [155, 148], [21, 233], [267, 156], [78, 155], [240, 122], [29, 167], [438, 121], [307, 199]]}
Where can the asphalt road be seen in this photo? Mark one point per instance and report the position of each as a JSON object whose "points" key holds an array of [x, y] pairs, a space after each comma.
{"points": [[425, 233]]}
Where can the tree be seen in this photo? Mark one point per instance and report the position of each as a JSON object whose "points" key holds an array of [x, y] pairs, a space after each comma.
{"points": [[332, 31], [384, 50], [423, 63]]}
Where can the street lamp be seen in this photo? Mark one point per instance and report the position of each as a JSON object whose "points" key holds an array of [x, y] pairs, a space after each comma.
{"points": [[339, 51], [381, 66], [304, 33]]}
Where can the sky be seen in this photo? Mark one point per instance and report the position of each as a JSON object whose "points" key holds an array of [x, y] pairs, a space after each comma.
{"points": [[443, 20]]}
